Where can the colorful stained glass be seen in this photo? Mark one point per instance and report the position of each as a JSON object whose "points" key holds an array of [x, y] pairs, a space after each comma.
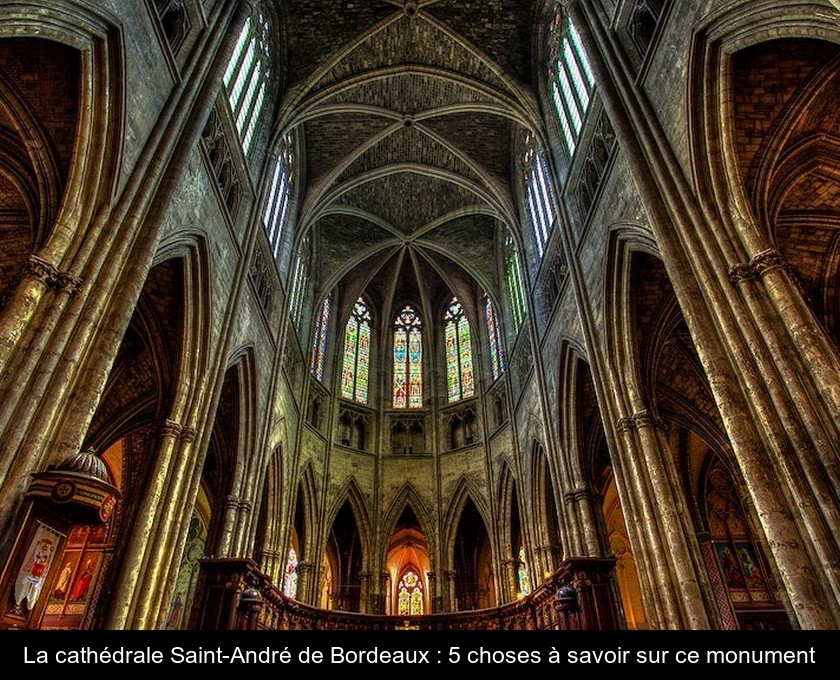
{"points": [[354, 373], [522, 574], [290, 580], [410, 595], [494, 338], [465, 358], [408, 360], [319, 341], [453, 382], [460, 382]]}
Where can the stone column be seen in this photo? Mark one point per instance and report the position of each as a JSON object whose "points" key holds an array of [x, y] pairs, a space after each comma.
{"points": [[782, 421], [449, 593]]}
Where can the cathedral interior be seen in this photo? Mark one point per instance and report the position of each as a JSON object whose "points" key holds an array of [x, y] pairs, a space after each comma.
{"points": [[435, 314]]}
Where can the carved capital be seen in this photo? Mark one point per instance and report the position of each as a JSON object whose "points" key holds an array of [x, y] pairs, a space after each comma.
{"points": [[576, 495], [42, 271], [640, 419], [759, 264], [230, 502], [188, 434], [171, 429]]}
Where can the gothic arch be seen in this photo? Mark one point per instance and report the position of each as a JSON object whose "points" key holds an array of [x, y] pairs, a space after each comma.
{"points": [[351, 493], [306, 499], [407, 497], [268, 549], [473, 562], [99, 132], [465, 489]]}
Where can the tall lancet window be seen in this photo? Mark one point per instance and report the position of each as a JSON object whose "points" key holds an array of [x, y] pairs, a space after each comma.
{"points": [[571, 78], [494, 338], [513, 278], [279, 196], [539, 195], [459, 364], [356, 364], [408, 360], [246, 76], [319, 341]]}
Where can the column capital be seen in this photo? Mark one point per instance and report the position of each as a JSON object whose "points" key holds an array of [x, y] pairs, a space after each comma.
{"points": [[759, 264]]}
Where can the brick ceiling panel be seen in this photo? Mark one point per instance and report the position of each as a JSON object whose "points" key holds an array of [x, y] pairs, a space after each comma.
{"points": [[502, 29], [471, 239], [343, 237], [412, 41], [409, 145], [482, 136], [331, 138], [316, 30], [410, 93], [408, 200]]}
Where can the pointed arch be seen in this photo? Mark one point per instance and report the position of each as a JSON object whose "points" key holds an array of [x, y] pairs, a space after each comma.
{"points": [[96, 33], [469, 551], [351, 493], [305, 510], [347, 548], [406, 497], [465, 489]]}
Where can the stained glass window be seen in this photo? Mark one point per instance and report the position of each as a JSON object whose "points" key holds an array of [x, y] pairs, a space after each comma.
{"points": [[494, 338], [571, 78], [319, 341], [514, 284], [539, 195], [522, 573], [246, 76], [408, 360], [290, 580], [354, 372], [279, 196], [459, 367], [410, 595]]}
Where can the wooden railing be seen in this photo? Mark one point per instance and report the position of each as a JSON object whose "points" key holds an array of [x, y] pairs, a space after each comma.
{"points": [[234, 594]]}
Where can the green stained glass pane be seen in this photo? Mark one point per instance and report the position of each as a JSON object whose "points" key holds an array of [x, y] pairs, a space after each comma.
{"points": [[348, 369], [404, 602], [417, 603], [415, 354], [363, 363], [465, 358], [452, 377]]}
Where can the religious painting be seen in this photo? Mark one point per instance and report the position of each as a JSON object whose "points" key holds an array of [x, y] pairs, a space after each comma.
{"points": [[72, 590]]}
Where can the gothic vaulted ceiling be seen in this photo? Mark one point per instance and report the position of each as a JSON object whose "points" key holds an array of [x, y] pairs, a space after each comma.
{"points": [[407, 116]]}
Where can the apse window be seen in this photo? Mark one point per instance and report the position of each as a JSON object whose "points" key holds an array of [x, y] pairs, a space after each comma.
{"points": [[408, 360], [319, 341], [246, 77], [494, 338], [571, 80], [356, 359], [460, 382]]}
